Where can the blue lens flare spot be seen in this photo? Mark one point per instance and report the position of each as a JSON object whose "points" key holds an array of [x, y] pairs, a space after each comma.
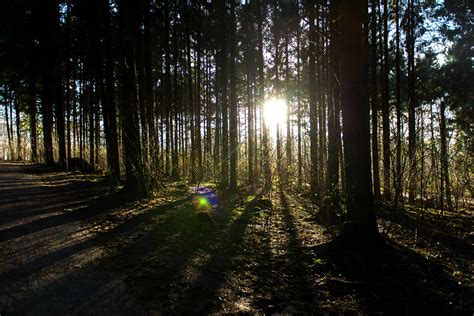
{"points": [[204, 199]]}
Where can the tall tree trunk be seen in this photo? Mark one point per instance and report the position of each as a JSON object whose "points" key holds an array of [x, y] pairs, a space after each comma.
{"points": [[234, 148], [92, 106], [135, 183], [174, 153], [386, 107], [9, 132], [374, 99], [361, 226], [334, 105], [261, 95], [224, 106], [444, 158], [410, 42], [18, 129], [47, 29], [190, 98], [148, 93], [313, 105], [288, 111], [32, 116], [60, 121], [299, 109], [108, 100], [398, 107], [197, 106]]}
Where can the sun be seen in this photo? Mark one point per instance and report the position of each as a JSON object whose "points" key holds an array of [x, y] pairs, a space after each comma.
{"points": [[275, 112]]}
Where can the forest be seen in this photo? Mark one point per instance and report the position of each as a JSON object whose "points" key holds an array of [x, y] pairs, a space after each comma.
{"points": [[239, 156]]}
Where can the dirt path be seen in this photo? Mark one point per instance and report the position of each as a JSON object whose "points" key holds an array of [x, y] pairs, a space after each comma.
{"points": [[66, 247], [44, 247]]}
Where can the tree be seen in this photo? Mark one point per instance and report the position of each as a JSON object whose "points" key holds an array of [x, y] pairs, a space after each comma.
{"points": [[234, 147], [135, 183], [361, 224]]}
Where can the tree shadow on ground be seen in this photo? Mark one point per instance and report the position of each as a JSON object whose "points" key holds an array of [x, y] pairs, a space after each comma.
{"points": [[434, 228], [283, 284], [394, 279], [99, 205]]}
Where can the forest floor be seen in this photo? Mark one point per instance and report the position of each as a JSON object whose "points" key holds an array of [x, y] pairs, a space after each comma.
{"points": [[68, 246]]}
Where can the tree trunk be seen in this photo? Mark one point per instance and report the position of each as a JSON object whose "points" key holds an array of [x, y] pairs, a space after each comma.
{"points": [[374, 100], [234, 147], [32, 116], [361, 226], [223, 87], [334, 105], [444, 158], [398, 107], [261, 95], [410, 41], [108, 100], [18, 129], [386, 108], [135, 183], [313, 105]]}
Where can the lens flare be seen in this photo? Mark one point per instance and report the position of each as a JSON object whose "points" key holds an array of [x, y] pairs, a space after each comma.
{"points": [[204, 199]]}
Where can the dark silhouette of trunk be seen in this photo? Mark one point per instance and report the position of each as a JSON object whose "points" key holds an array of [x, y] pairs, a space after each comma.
{"points": [[374, 99], [92, 105], [174, 152], [223, 88], [197, 104], [398, 107], [334, 107], [18, 129], [360, 228], [261, 95], [313, 105], [140, 73], [9, 131], [134, 183], [167, 97], [386, 107], [233, 141], [108, 98], [299, 110], [67, 56], [46, 39], [250, 123], [444, 159], [32, 117], [277, 91], [148, 94], [60, 120], [190, 98], [410, 43], [288, 112]]}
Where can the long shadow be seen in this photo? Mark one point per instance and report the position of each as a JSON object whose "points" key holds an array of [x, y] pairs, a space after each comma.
{"points": [[100, 205], [12, 276], [393, 279], [462, 247], [299, 290], [155, 266], [203, 295]]}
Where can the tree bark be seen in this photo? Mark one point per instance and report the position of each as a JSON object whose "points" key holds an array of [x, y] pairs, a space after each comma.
{"points": [[386, 107], [361, 223], [134, 183]]}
